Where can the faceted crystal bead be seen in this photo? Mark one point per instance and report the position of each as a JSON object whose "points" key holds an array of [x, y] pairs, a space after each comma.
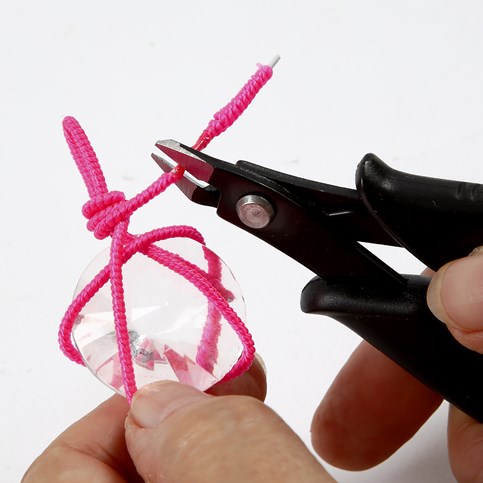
{"points": [[175, 332]]}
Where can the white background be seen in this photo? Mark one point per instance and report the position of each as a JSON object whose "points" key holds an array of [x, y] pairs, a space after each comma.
{"points": [[401, 79]]}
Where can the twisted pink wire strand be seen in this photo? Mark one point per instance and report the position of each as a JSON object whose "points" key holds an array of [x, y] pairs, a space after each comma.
{"points": [[207, 354], [226, 116], [108, 214]]}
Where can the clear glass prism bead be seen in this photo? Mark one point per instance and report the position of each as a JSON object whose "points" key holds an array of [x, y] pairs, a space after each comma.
{"points": [[175, 332]]}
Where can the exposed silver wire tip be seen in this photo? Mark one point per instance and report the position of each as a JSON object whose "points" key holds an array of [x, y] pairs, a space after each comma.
{"points": [[274, 61]]}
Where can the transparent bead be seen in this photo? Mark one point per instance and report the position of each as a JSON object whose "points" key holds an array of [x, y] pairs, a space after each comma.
{"points": [[175, 333]]}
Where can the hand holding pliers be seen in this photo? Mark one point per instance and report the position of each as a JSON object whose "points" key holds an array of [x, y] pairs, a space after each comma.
{"points": [[320, 226]]}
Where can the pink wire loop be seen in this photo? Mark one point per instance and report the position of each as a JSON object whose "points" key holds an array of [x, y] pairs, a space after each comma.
{"points": [[108, 214]]}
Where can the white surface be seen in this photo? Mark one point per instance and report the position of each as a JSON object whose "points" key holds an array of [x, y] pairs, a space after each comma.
{"points": [[401, 79]]}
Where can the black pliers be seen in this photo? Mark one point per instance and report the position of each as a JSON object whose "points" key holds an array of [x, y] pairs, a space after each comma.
{"points": [[320, 225]]}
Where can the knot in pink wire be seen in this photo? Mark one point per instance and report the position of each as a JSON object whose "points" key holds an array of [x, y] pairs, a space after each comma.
{"points": [[105, 211]]}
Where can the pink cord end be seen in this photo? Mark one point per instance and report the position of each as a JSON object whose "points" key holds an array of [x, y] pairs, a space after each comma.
{"points": [[226, 116]]}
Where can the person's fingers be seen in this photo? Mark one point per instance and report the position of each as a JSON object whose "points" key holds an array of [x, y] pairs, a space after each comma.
{"points": [[465, 445], [252, 383], [176, 433], [92, 449], [455, 296], [372, 408]]}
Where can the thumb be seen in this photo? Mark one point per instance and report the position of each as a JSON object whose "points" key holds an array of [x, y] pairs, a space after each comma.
{"points": [[177, 433], [455, 296]]}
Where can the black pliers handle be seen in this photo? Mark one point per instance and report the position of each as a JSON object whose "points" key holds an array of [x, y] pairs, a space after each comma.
{"points": [[320, 226]]}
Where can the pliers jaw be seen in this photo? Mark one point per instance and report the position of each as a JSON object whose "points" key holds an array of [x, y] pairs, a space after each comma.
{"points": [[194, 187]]}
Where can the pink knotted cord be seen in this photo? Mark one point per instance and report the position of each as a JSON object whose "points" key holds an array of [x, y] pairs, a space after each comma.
{"points": [[108, 214]]}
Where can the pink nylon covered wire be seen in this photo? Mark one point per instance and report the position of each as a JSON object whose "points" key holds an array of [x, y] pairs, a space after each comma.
{"points": [[108, 214], [226, 116]]}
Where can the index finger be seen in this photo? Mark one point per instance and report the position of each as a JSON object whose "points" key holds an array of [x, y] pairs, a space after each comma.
{"points": [[372, 408], [92, 449]]}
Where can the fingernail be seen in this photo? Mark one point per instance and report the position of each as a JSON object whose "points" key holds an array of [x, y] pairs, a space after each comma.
{"points": [[462, 292], [477, 251], [155, 402], [260, 360]]}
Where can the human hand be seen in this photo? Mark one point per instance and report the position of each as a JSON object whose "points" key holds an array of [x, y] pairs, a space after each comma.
{"points": [[373, 407], [174, 433]]}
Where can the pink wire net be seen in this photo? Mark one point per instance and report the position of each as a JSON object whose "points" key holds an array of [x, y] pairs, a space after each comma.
{"points": [[108, 214]]}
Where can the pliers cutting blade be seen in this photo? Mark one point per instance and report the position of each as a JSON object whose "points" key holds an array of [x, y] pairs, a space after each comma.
{"points": [[320, 226]]}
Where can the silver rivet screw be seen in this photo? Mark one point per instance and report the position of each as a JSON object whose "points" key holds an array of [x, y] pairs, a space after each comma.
{"points": [[254, 211]]}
